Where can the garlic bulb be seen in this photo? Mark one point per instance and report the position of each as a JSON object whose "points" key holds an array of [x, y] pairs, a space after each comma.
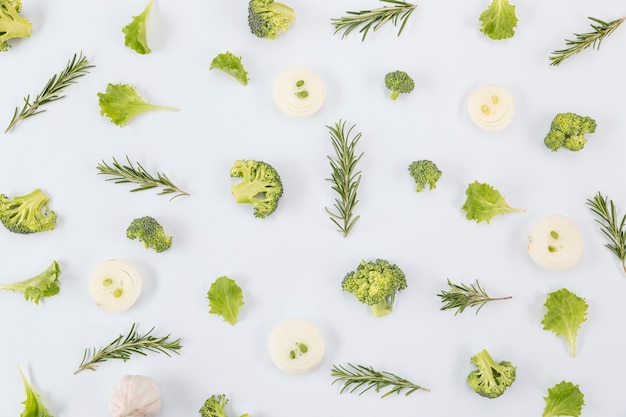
{"points": [[135, 396]]}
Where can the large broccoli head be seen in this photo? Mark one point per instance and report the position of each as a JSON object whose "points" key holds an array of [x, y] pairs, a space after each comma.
{"points": [[568, 130], [268, 18], [28, 213], [260, 186], [425, 173], [375, 283], [148, 231], [491, 379], [12, 25], [399, 82]]}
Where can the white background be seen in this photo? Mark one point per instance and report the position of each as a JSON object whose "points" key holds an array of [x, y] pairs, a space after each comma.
{"points": [[291, 264]]}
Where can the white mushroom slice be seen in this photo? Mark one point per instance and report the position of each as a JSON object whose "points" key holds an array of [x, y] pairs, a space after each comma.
{"points": [[491, 107], [555, 243], [296, 346], [115, 285], [298, 91]]}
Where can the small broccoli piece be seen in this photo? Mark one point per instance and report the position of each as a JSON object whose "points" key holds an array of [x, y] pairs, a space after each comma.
{"points": [[260, 186], [214, 407], [425, 173], [568, 130], [148, 230], [27, 213], [375, 283], [45, 284], [12, 25], [399, 82], [267, 18], [491, 379]]}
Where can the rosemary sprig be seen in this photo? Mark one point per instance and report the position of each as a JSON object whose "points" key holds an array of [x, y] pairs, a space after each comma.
{"points": [[124, 346], [138, 175], [373, 19], [75, 68], [593, 39], [610, 225], [344, 177], [461, 296], [360, 378]]}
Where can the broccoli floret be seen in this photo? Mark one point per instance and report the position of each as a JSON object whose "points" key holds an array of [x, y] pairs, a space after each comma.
{"points": [[267, 18], [399, 82], [375, 283], [148, 230], [27, 213], [214, 407], [260, 186], [568, 130], [45, 284], [425, 173], [491, 379], [12, 25]]}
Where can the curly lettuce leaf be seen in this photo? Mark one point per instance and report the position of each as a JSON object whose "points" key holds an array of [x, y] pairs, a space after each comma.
{"points": [[231, 65], [564, 399], [135, 33], [225, 299], [498, 20], [484, 202], [32, 404], [121, 103], [566, 313], [45, 284]]}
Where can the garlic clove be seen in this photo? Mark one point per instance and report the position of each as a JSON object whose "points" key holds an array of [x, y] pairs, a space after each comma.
{"points": [[135, 396]]}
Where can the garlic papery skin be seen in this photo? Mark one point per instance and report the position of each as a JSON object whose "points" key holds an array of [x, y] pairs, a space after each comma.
{"points": [[135, 396]]}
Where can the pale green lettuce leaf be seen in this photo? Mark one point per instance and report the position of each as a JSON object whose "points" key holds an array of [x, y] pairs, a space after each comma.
{"points": [[484, 202], [121, 103], [231, 65], [135, 33], [225, 299], [564, 399], [566, 313], [32, 404], [498, 20]]}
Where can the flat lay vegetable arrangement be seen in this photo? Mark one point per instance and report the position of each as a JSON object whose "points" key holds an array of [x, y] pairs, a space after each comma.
{"points": [[264, 208]]}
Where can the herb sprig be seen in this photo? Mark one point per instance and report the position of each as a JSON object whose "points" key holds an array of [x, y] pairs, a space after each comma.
{"points": [[360, 379], [461, 296], [610, 225], [130, 174], [592, 39], [75, 68], [123, 347], [344, 176], [375, 18]]}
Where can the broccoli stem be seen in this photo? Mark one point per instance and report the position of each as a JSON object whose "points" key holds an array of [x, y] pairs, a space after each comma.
{"points": [[383, 308], [394, 94]]}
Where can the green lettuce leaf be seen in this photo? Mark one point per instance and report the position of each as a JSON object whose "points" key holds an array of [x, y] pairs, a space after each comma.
{"points": [[231, 65], [564, 399], [498, 20], [121, 103], [135, 32], [484, 202], [566, 313], [225, 299], [32, 404]]}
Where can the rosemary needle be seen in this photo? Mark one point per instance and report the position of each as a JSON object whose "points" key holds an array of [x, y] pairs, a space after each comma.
{"points": [[75, 68], [375, 18], [123, 347], [360, 379], [121, 174], [344, 177], [610, 225], [461, 296], [593, 39]]}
